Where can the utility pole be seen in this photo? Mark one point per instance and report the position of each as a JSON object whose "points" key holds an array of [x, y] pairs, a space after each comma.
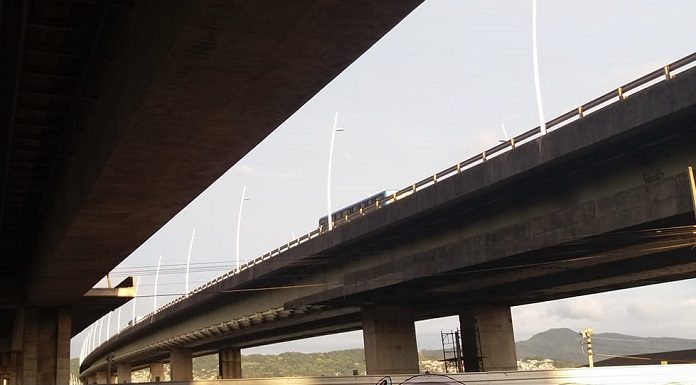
{"points": [[587, 335]]}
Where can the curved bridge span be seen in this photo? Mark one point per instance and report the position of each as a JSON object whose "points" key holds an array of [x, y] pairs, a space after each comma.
{"points": [[602, 203]]}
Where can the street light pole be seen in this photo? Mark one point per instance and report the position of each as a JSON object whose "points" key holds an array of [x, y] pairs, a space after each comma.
{"points": [[188, 260], [334, 129], [108, 326], [135, 299], [239, 226], [537, 84], [154, 296]]}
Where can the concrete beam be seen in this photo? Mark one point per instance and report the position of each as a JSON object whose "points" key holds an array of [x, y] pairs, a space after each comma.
{"points": [[181, 364], [230, 362], [488, 342], [390, 340]]}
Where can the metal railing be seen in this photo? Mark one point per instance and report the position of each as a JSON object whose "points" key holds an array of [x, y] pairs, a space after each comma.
{"points": [[665, 73]]}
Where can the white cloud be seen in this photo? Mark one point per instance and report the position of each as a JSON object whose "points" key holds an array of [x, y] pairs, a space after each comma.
{"points": [[644, 310], [582, 308], [288, 175], [246, 169]]}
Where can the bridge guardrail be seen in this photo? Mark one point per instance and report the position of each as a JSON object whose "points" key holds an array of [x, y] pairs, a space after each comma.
{"points": [[665, 73]]}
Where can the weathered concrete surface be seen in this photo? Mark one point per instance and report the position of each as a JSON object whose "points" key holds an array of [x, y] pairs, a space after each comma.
{"points": [[230, 362], [181, 364], [566, 214], [156, 372], [167, 96], [389, 336], [488, 340], [190, 87], [123, 372]]}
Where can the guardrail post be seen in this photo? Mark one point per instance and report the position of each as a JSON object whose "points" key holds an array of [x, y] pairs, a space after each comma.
{"points": [[668, 74], [512, 143], [459, 167], [581, 113], [619, 91], [483, 156]]}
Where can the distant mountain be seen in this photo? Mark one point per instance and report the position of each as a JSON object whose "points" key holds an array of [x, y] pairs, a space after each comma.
{"points": [[564, 344]]}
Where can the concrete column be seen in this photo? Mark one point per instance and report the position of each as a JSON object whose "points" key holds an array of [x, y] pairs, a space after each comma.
{"points": [[64, 331], [91, 379], [30, 347], [181, 364], [43, 339], [123, 372], [488, 342], [101, 377], [390, 340], [230, 362], [156, 372]]}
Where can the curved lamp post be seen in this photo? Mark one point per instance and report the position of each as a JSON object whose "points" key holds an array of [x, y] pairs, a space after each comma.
{"points": [[334, 129], [239, 226]]}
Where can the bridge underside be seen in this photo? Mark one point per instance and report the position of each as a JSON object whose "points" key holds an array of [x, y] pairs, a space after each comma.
{"points": [[118, 113]]}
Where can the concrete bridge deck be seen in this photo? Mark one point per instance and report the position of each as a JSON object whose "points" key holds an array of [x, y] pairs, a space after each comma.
{"points": [[600, 204]]}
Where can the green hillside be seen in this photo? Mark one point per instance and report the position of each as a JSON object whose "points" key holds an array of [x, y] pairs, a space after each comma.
{"points": [[563, 344]]}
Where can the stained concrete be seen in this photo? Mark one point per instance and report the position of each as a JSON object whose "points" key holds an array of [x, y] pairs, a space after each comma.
{"points": [[230, 362], [123, 372], [514, 230], [488, 340], [389, 338], [156, 372], [181, 364]]}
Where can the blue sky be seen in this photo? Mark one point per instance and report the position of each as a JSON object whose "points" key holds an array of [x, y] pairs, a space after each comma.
{"points": [[432, 92]]}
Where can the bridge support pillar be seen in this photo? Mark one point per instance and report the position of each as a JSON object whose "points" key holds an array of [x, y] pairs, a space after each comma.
{"points": [[101, 377], [91, 380], [389, 337], [488, 343], [230, 362], [40, 343], [181, 364], [156, 372], [123, 372]]}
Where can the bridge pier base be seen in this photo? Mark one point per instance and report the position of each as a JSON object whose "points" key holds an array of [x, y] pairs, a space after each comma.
{"points": [[40, 345], [101, 377], [123, 372], [488, 342], [389, 336], [230, 362], [181, 364], [156, 372]]}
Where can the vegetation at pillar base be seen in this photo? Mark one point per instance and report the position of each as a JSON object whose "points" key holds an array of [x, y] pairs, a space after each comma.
{"points": [[335, 363]]}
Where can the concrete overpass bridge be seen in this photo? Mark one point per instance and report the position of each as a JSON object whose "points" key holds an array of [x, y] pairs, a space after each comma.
{"points": [[116, 114], [603, 201]]}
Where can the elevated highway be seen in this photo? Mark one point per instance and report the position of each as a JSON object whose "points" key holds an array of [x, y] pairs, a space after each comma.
{"points": [[117, 114], [601, 202]]}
